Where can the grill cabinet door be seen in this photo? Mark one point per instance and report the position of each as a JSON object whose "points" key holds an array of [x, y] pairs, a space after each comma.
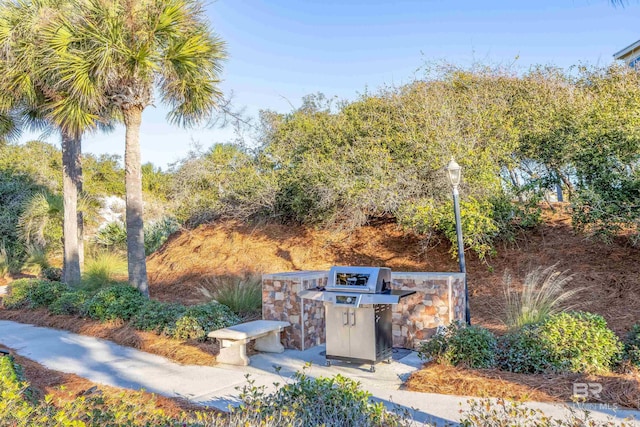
{"points": [[337, 333], [362, 323]]}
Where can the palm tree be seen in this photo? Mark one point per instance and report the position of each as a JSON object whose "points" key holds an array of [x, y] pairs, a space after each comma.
{"points": [[125, 50], [28, 92]]}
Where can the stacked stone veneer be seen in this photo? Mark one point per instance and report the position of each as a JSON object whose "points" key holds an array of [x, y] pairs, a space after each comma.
{"points": [[280, 301], [438, 301]]}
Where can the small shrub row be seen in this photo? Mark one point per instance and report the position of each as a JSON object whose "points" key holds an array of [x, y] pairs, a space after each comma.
{"points": [[122, 302], [564, 342], [33, 293]]}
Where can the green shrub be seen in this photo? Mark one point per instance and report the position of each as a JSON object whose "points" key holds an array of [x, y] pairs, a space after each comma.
{"points": [[19, 292], [156, 233], [580, 342], [46, 292], [543, 293], [199, 320], [522, 351], [115, 302], [156, 315], [242, 296], [32, 293], [71, 302], [458, 344], [632, 345], [112, 235], [52, 273], [335, 401]]}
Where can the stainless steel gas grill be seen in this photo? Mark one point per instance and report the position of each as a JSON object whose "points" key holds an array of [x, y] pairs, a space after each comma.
{"points": [[357, 304]]}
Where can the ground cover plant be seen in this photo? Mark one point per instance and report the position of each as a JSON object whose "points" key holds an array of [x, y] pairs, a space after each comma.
{"points": [[122, 303]]}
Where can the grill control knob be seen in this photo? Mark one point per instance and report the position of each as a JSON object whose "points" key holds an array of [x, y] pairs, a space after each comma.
{"points": [[349, 300]]}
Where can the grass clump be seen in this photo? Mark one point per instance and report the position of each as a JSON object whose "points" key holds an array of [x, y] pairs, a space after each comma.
{"points": [[459, 344], [198, 320], [103, 270], [242, 295], [543, 294], [115, 302], [157, 316]]}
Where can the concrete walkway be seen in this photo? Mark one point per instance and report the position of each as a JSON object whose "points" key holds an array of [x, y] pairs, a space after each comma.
{"points": [[107, 363]]}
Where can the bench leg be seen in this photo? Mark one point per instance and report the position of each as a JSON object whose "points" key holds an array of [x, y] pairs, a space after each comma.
{"points": [[233, 353], [270, 343]]}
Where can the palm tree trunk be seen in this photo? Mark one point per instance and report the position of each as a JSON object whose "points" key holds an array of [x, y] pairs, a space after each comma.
{"points": [[71, 181], [136, 259]]}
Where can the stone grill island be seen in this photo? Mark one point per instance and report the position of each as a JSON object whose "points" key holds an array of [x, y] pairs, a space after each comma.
{"points": [[438, 301]]}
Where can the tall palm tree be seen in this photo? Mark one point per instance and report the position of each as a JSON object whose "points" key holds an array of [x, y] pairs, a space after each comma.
{"points": [[126, 50], [28, 91]]}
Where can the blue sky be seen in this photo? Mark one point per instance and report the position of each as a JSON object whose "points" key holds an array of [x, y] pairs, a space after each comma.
{"points": [[281, 50]]}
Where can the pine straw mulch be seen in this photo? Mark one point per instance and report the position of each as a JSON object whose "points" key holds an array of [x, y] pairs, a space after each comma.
{"points": [[65, 387], [622, 390], [185, 352]]}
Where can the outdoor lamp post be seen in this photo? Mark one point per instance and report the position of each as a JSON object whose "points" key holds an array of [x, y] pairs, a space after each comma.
{"points": [[454, 172]]}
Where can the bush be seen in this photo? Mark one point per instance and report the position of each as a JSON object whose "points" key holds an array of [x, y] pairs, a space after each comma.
{"points": [[242, 296], [115, 302], [458, 344], [199, 320], [112, 235], [522, 351], [156, 316], [52, 273], [542, 294], [71, 303], [46, 292], [335, 401], [565, 342], [32, 293], [156, 233], [580, 342], [632, 345]]}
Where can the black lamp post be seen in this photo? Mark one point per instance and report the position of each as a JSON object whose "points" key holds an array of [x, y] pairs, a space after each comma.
{"points": [[454, 172]]}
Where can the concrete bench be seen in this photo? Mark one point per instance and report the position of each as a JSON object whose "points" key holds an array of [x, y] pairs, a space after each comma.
{"points": [[233, 340]]}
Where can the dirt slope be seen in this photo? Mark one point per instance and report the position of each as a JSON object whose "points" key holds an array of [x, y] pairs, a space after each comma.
{"points": [[610, 273]]}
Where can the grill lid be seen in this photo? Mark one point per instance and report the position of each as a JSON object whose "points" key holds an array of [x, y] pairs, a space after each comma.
{"points": [[370, 280]]}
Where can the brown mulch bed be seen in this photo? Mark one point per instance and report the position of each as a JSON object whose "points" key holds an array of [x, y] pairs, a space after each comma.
{"points": [[185, 352], [622, 390]]}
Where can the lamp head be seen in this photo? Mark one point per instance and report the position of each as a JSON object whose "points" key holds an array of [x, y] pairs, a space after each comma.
{"points": [[454, 172]]}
